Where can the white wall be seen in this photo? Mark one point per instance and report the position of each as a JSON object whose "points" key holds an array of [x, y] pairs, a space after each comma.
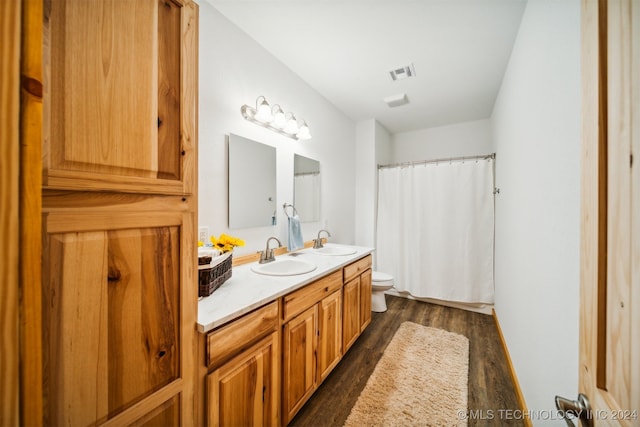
{"points": [[461, 139], [234, 70], [373, 147], [536, 127]]}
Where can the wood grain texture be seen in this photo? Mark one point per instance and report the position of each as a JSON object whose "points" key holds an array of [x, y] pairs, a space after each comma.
{"points": [[119, 212], [590, 197], [303, 298], [329, 334], [298, 361], [351, 313], [355, 269], [228, 340], [134, 125], [31, 123], [10, 27], [365, 298], [124, 316], [169, 94], [490, 385], [618, 362], [189, 97], [245, 392], [635, 206], [115, 109]]}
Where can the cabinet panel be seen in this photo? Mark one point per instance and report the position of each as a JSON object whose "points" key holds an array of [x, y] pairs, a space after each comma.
{"points": [[299, 361], [351, 313], [167, 414], [112, 318], [168, 90], [230, 339], [122, 104], [329, 334], [355, 269], [299, 300], [244, 391], [365, 299]]}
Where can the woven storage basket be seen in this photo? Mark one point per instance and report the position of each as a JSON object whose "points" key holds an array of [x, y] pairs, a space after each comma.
{"points": [[211, 276]]}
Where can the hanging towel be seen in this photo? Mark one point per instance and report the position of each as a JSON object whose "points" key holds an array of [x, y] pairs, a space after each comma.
{"points": [[295, 233]]}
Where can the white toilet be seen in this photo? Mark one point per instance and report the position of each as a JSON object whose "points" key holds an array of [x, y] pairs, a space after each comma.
{"points": [[380, 282]]}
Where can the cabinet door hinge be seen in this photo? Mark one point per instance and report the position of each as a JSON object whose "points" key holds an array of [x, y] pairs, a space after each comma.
{"points": [[631, 160]]}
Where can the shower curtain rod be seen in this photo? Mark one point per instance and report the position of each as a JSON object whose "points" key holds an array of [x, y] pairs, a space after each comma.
{"points": [[448, 159]]}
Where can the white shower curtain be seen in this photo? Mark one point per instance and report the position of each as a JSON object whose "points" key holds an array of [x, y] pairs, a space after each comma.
{"points": [[435, 229]]}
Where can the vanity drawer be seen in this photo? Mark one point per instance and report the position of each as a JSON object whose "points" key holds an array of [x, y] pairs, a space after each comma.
{"points": [[304, 298], [357, 268], [226, 341]]}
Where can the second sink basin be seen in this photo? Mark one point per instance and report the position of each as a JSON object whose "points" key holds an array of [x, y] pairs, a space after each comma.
{"points": [[334, 250], [284, 267]]}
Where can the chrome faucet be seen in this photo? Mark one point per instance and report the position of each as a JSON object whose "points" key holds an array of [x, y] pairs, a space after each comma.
{"points": [[267, 254], [317, 243]]}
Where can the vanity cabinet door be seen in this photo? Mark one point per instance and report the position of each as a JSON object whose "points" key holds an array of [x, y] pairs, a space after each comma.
{"points": [[351, 313], [329, 334], [365, 299], [244, 391], [299, 361]]}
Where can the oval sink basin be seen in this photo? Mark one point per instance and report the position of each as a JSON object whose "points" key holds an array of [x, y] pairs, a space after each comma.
{"points": [[334, 250], [284, 267]]}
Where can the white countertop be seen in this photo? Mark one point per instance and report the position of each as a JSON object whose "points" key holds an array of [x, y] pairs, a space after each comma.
{"points": [[246, 290]]}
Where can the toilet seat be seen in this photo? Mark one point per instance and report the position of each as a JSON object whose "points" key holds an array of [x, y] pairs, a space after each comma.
{"points": [[377, 276]]}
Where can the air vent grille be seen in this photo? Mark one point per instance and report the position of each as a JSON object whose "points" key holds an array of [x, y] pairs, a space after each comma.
{"points": [[402, 72]]}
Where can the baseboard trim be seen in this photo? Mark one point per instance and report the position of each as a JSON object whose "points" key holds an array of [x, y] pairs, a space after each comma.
{"points": [[514, 377]]}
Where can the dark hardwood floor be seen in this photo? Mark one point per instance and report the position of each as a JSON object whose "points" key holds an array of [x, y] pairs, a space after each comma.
{"points": [[491, 391]]}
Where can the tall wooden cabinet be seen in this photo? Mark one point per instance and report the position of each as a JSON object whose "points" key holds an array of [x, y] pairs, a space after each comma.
{"points": [[119, 211]]}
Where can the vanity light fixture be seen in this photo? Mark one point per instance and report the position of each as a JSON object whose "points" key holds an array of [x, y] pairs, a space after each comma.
{"points": [[275, 119]]}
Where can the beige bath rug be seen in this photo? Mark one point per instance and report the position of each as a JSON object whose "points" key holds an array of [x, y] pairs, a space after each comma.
{"points": [[420, 380]]}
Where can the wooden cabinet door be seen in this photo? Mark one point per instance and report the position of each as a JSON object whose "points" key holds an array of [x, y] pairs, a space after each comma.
{"points": [[299, 361], [365, 299], [121, 95], [244, 391], [117, 297], [351, 313], [329, 334]]}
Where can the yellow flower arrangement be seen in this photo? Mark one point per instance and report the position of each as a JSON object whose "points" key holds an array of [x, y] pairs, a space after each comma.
{"points": [[226, 243]]}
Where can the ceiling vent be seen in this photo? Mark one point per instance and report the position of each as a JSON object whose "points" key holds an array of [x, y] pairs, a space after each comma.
{"points": [[396, 100], [402, 72]]}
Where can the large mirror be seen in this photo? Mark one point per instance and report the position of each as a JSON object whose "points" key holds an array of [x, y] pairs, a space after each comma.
{"points": [[252, 183], [306, 186]]}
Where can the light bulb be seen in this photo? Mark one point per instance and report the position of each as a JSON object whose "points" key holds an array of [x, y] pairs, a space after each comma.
{"points": [[279, 119], [264, 112], [304, 133], [292, 126]]}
